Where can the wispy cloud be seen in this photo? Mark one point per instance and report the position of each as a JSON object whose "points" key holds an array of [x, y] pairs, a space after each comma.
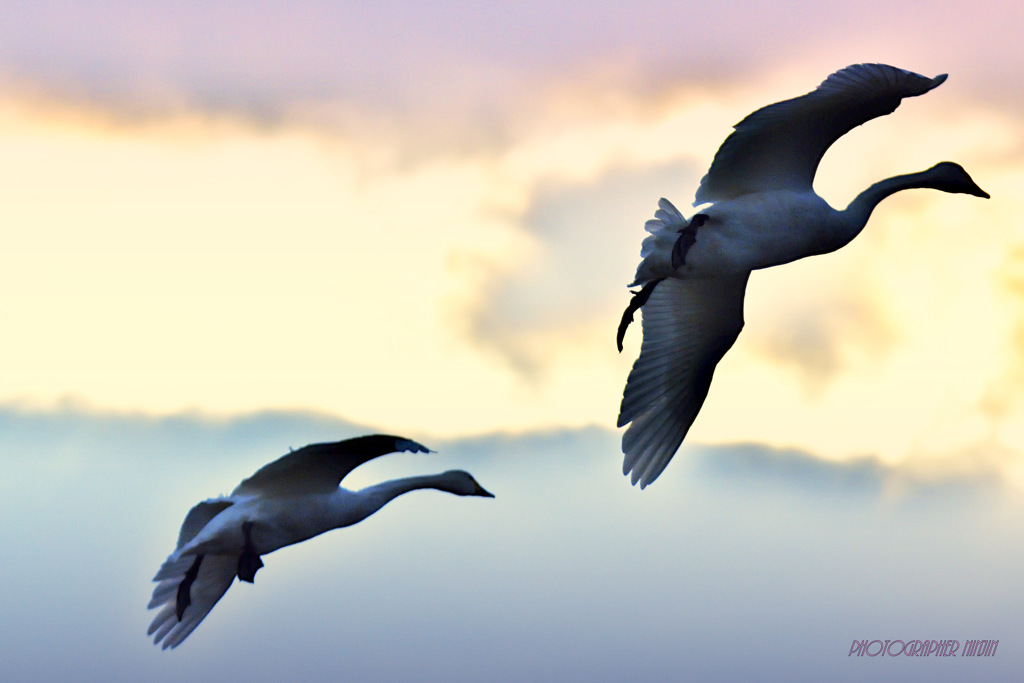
{"points": [[972, 475], [825, 333], [82, 437], [1007, 388], [464, 73], [584, 238]]}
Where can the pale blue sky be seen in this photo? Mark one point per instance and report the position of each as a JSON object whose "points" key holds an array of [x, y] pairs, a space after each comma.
{"points": [[740, 562]]}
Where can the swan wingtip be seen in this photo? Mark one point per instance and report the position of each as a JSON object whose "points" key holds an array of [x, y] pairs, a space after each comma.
{"points": [[410, 446]]}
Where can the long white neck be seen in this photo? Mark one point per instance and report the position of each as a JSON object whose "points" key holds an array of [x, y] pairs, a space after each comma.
{"points": [[373, 498], [857, 213]]}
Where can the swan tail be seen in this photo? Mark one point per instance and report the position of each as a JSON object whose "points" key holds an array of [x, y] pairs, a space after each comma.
{"points": [[656, 250]]}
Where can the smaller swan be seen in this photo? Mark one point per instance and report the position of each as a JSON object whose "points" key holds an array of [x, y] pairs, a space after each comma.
{"points": [[759, 210], [292, 499]]}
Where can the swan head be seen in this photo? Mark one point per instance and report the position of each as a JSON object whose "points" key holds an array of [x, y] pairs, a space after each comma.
{"points": [[949, 177], [462, 483]]}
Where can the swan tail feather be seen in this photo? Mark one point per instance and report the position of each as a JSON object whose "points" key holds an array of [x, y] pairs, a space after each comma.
{"points": [[656, 249]]}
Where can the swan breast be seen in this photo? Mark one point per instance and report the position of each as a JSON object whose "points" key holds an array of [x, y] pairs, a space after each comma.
{"points": [[285, 520], [276, 522]]}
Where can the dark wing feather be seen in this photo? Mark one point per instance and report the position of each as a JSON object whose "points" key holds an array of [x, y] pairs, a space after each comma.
{"points": [[199, 516], [778, 147], [688, 326], [320, 467], [212, 580]]}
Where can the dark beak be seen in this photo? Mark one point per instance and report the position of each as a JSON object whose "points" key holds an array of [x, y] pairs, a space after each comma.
{"points": [[977, 191], [973, 188], [481, 491]]}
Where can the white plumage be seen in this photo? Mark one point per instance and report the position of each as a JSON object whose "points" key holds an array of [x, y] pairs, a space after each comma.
{"points": [[761, 211], [285, 502]]}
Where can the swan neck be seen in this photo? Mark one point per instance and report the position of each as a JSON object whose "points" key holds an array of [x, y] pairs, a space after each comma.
{"points": [[859, 210], [375, 497]]}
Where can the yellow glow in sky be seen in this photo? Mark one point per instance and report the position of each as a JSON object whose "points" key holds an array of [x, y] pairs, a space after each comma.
{"points": [[205, 264]]}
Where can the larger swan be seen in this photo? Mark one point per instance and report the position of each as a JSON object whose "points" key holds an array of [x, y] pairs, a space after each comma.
{"points": [[288, 501], [761, 211]]}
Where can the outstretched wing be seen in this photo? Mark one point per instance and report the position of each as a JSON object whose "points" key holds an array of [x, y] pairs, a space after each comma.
{"points": [[320, 467], [778, 147], [199, 516], [211, 581], [688, 326], [204, 584]]}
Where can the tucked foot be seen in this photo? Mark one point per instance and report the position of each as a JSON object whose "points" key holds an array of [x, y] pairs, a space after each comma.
{"points": [[249, 561], [185, 588], [687, 238], [638, 300]]}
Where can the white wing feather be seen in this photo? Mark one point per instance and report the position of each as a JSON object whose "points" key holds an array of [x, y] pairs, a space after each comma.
{"points": [[216, 572], [656, 250]]}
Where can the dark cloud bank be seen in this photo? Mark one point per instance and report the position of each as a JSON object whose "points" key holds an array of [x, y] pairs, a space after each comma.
{"points": [[81, 437]]}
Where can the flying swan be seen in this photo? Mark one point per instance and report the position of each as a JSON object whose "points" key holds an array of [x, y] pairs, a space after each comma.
{"points": [[757, 210], [288, 501]]}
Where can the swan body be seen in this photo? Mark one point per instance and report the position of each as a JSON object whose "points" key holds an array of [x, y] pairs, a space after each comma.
{"points": [[739, 236], [757, 209], [286, 502]]}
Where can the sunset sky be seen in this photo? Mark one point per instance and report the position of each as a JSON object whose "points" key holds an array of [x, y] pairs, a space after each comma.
{"points": [[421, 218]]}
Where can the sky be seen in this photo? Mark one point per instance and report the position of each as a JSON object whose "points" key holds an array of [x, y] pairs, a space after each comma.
{"points": [[233, 228]]}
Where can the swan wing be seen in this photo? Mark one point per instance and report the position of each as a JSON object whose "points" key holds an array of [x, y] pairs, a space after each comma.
{"points": [[320, 467], [688, 325], [211, 581], [199, 516], [778, 147]]}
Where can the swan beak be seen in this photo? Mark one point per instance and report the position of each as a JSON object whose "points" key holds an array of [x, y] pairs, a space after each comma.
{"points": [[481, 491], [977, 191], [973, 189]]}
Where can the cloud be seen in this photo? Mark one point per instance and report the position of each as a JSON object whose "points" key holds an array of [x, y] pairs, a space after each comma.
{"points": [[1006, 390], [461, 75], [278, 259], [973, 474], [77, 434], [823, 334], [585, 240]]}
